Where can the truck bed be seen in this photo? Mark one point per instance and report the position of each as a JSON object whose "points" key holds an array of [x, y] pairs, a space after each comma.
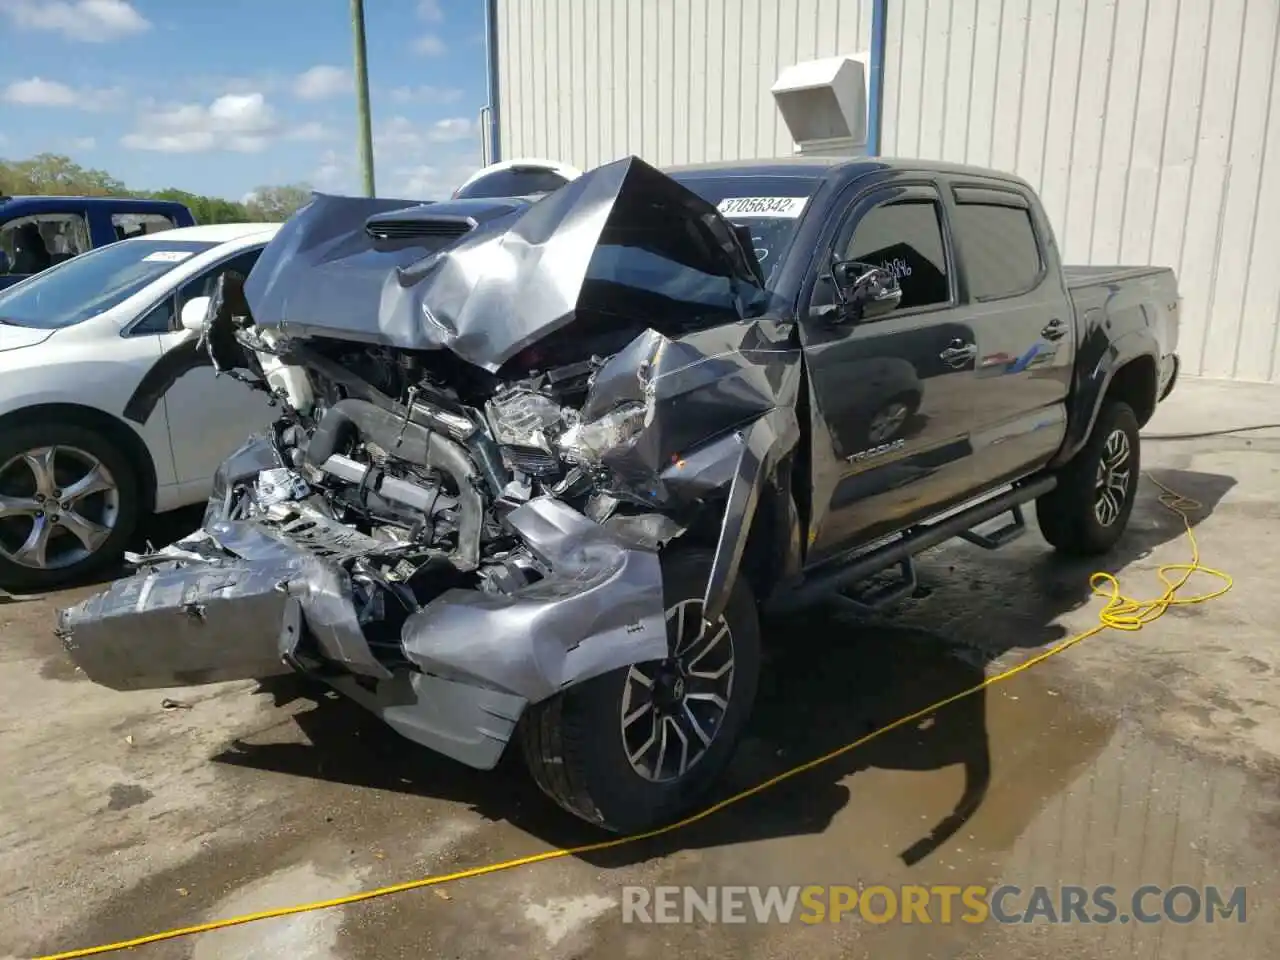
{"points": [[1082, 276]]}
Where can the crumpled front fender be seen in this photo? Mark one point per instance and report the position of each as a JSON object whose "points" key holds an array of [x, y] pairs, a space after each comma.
{"points": [[601, 608], [738, 465]]}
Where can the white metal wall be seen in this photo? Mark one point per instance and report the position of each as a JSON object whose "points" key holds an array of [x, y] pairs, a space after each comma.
{"points": [[672, 81], [1151, 129]]}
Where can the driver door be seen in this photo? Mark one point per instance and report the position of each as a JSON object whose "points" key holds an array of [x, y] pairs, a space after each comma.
{"points": [[890, 397], [209, 417]]}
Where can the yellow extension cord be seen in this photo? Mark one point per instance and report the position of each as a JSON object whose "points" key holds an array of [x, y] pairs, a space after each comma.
{"points": [[1119, 613]]}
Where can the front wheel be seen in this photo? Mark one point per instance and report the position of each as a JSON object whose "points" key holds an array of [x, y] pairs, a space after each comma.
{"points": [[1089, 509], [69, 501], [642, 745]]}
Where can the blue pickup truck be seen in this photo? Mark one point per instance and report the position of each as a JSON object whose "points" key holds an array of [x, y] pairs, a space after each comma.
{"points": [[37, 232]]}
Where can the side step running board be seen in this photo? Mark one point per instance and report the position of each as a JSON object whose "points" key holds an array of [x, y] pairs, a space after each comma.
{"points": [[868, 601], [998, 538], [835, 580]]}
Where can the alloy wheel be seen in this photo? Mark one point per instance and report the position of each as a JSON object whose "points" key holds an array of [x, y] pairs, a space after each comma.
{"points": [[673, 709], [58, 506], [1112, 486]]}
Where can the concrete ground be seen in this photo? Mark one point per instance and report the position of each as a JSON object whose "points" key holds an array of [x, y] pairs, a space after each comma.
{"points": [[1134, 758]]}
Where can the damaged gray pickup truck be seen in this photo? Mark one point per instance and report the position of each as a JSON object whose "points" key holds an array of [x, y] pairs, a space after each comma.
{"points": [[542, 464]]}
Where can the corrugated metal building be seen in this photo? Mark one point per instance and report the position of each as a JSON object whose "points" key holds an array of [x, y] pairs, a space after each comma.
{"points": [[1146, 125]]}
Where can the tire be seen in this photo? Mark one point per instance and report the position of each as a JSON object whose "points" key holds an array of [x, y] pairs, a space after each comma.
{"points": [[573, 743], [112, 507], [1072, 516]]}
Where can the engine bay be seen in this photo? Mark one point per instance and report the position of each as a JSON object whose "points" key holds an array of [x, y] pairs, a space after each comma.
{"points": [[403, 472]]}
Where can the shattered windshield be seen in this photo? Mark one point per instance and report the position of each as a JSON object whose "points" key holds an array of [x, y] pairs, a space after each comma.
{"points": [[770, 207]]}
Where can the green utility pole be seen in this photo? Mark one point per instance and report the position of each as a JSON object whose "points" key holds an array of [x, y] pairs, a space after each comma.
{"points": [[362, 97]]}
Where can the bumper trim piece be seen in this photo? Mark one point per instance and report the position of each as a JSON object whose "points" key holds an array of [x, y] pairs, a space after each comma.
{"points": [[181, 627]]}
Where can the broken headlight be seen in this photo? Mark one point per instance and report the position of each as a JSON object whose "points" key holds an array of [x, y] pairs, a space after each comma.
{"points": [[521, 421], [588, 442]]}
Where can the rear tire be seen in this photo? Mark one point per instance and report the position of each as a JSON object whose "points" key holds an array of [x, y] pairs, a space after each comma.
{"points": [[69, 502], [585, 758], [1087, 512]]}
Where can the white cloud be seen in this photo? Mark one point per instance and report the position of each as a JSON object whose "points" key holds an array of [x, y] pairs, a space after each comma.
{"points": [[88, 21], [38, 92], [321, 82], [333, 172], [201, 85], [312, 130], [411, 165], [240, 122], [429, 181], [398, 132], [430, 11], [84, 143], [454, 128], [429, 45], [426, 94], [405, 135]]}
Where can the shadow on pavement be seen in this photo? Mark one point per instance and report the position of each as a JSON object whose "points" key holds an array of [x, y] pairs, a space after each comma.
{"points": [[829, 680]]}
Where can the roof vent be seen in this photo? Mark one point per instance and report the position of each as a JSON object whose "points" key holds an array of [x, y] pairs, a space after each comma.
{"points": [[824, 104]]}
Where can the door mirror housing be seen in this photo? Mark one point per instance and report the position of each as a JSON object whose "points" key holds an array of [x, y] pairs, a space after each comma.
{"points": [[865, 291], [193, 313]]}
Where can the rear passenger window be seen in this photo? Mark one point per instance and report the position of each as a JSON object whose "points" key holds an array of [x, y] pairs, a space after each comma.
{"points": [[35, 243], [998, 244], [905, 237], [129, 225]]}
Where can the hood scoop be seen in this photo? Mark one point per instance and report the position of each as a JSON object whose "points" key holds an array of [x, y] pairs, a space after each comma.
{"points": [[396, 226]]}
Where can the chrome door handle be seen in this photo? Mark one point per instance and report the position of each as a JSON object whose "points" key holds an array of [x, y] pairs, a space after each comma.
{"points": [[958, 353], [1054, 330]]}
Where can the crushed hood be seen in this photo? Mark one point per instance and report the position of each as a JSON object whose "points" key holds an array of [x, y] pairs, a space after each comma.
{"points": [[485, 279]]}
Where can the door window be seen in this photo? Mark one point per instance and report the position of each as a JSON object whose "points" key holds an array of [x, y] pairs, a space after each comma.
{"points": [[904, 236], [160, 319], [129, 225], [165, 316], [998, 244], [35, 243], [202, 286]]}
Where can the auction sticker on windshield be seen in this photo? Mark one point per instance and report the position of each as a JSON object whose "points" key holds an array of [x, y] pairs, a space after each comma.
{"points": [[167, 256], [784, 207]]}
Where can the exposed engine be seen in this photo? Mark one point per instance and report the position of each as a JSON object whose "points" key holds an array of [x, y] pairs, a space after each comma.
{"points": [[409, 494]]}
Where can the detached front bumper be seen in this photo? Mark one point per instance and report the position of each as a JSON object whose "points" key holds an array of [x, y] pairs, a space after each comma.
{"points": [[256, 605]]}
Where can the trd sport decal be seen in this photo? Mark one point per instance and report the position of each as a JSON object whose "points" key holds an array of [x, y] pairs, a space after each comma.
{"points": [[875, 451]]}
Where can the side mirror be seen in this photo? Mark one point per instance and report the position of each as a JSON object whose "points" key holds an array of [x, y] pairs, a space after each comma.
{"points": [[865, 291], [193, 314]]}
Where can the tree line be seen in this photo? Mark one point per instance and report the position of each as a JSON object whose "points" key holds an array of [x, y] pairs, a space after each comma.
{"points": [[51, 174]]}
